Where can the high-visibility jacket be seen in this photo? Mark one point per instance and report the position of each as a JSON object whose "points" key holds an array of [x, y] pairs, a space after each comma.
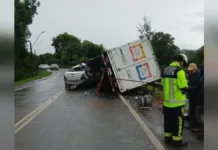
{"points": [[174, 84]]}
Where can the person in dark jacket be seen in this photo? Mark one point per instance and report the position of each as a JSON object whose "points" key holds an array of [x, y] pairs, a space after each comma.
{"points": [[200, 103], [193, 83]]}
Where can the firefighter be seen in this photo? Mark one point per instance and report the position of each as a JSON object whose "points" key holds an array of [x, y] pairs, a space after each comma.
{"points": [[175, 86]]}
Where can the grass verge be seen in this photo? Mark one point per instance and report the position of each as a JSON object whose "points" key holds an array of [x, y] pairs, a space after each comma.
{"points": [[157, 94], [41, 74]]}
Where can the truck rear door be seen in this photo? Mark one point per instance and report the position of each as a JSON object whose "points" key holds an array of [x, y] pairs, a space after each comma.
{"points": [[134, 64]]}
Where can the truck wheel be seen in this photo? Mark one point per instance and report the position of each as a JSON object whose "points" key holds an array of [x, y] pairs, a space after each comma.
{"points": [[143, 103], [139, 103]]}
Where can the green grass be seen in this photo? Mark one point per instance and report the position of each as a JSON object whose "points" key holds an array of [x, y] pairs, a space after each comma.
{"points": [[41, 74]]}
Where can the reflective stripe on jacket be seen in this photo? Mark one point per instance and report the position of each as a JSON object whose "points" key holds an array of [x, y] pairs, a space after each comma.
{"points": [[174, 85]]}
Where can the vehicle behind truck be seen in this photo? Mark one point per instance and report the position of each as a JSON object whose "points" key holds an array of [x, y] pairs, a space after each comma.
{"points": [[125, 67]]}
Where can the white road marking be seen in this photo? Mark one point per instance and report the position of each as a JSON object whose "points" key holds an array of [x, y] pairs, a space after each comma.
{"points": [[145, 128], [28, 118], [37, 82]]}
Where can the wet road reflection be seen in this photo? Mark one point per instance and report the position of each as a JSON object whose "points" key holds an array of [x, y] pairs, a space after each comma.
{"points": [[27, 99]]}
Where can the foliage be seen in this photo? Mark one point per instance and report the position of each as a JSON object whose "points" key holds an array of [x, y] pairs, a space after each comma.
{"points": [[164, 46], [66, 46], [199, 56], [47, 58], [69, 50], [90, 49], [195, 56], [145, 29], [40, 75], [190, 54], [24, 13]]}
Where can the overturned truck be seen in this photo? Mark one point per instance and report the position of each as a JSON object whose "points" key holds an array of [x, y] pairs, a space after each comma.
{"points": [[124, 69]]}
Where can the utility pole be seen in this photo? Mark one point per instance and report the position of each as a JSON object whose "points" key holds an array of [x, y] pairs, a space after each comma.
{"points": [[31, 54], [31, 51], [31, 48]]}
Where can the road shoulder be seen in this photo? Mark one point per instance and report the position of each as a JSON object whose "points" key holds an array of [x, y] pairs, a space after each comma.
{"points": [[154, 120], [32, 83]]}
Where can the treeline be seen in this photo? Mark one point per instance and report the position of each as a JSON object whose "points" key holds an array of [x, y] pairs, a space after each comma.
{"points": [[164, 46], [195, 56], [25, 63], [70, 50]]}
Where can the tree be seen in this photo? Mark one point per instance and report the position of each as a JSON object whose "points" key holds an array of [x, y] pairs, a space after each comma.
{"points": [[162, 43], [47, 58], [70, 51], [199, 56], [24, 13], [195, 56], [65, 47], [164, 47], [90, 49], [145, 29], [190, 54]]}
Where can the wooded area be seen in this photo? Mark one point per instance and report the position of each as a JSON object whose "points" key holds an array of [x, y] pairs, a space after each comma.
{"points": [[70, 50], [25, 65], [164, 46]]}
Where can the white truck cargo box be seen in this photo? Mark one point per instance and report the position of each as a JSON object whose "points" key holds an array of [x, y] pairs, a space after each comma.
{"points": [[134, 64]]}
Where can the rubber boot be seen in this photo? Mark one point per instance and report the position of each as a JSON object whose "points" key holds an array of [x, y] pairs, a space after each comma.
{"points": [[181, 144]]}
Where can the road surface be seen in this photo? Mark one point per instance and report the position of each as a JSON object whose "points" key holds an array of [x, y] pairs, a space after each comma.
{"points": [[74, 121], [49, 118], [27, 99]]}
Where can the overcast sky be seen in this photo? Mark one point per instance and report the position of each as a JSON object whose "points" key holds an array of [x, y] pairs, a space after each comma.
{"points": [[113, 22]]}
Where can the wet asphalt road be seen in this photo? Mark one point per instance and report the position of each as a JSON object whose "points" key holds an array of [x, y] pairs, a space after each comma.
{"points": [[75, 121], [27, 99], [154, 120], [78, 122]]}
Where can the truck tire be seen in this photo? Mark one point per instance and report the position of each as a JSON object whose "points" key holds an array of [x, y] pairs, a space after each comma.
{"points": [[144, 101], [139, 103]]}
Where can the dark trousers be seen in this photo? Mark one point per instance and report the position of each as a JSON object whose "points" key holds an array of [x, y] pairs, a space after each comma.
{"points": [[173, 123], [200, 116], [192, 114]]}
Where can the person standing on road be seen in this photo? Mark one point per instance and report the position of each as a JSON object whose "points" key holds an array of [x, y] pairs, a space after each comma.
{"points": [[193, 83], [175, 85]]}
